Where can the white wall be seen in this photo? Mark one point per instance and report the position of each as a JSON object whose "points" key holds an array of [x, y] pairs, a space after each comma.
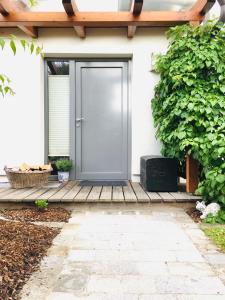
{"points": [[22, 116]]}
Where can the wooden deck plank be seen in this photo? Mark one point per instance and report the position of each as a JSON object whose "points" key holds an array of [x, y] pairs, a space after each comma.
{"points": [[36, 194], [167, 197], [70, 195], [13, 194], [62, 192], [94, 194], [83, 194], [194, 197], [6, 191], [129, 194], [26, 193], [140, 193], [106, 194], [181, 197], [117, 194], [50, 192], [2, 190], [154, 197]]}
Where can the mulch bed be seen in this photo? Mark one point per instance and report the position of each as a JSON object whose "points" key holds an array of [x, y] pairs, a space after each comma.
{"points": [[194, 214], [22, 245], [51, 214]]}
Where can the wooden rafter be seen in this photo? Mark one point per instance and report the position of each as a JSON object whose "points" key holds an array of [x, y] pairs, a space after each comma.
{"points": [[3, 10], [202, 7], [8, 7], [136, 8], [96, 19], [71, 10]]}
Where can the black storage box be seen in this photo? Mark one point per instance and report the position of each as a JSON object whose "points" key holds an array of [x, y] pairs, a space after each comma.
{"points": [[159, 174]]}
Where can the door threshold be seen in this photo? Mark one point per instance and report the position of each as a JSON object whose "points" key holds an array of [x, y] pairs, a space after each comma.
{"points": [[103, 182]]}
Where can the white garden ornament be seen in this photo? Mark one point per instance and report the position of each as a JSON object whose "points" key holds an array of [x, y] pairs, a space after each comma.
{"points": [[212, 208]]}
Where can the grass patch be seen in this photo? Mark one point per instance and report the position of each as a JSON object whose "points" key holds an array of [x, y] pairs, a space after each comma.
{"points": [[217, 235]]}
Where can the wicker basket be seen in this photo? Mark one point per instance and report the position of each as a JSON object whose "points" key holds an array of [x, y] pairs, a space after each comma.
{"points": [[21, 179]]}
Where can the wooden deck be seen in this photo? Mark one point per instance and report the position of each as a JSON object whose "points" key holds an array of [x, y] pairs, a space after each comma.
{"points": [[73, 192]]}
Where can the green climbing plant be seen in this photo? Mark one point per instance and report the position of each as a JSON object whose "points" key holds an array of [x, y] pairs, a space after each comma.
{"points": [[189, 102], [12, 43], [5, 83]]}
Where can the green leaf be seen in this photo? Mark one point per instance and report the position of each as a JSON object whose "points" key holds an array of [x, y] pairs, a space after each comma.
{"points": [[23, 43], [2, 43], [13, 46], [220, 178], [31, 47], [38, 50], [222, 88], [181, 135]]}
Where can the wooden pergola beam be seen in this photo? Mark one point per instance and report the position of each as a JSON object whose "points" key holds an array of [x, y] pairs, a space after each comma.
{"points": [[71, 10], [3, 11], [7, 7], [136, 8], [96, 19], [31, 31], [70, 7], [202, 7]]}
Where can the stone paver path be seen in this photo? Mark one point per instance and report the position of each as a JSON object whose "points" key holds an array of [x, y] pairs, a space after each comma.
{"points": [[138, 252]]}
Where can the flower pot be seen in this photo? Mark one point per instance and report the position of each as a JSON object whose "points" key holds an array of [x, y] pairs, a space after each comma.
{"points": [[63, 176]]}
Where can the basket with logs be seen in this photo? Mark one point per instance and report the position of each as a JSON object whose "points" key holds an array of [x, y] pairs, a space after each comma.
{"points": [[28, 176]]}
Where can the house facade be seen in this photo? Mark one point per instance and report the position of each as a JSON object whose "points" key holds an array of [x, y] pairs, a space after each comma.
{"points": [[88, 98]]}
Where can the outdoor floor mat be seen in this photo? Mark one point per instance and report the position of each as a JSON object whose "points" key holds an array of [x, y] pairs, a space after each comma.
{"points": [[105, 183]]}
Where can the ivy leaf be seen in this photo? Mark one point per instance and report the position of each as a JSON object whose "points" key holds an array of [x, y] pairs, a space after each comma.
{"points": [[190, 106], [2, 43], [31, 47], [220, 178], [13, 46], [181, 135], [23, 43], [222, 88]]}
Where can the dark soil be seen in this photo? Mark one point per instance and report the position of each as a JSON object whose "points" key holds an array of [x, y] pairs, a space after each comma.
{"points": [[22, 246], [32, 214], [194, 214]]}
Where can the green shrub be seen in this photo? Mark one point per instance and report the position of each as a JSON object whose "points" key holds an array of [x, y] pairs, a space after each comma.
{"points": [[64, 165], [41, 204], [218, 219], [189, 102]]}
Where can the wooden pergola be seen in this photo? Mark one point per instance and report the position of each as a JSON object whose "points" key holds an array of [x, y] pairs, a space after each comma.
{"points": [[14, 13]]}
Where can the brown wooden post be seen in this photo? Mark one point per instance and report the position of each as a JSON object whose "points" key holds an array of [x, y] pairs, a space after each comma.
{"points": [[192, 170]]}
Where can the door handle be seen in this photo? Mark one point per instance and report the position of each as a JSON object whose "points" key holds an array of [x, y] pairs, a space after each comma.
{"points": [[78, 122], [79, 119]]}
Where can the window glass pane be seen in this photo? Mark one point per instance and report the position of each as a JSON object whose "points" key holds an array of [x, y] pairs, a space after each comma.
{"points": [[58, 67], [59, 100], [175, 5], [113, 5]]}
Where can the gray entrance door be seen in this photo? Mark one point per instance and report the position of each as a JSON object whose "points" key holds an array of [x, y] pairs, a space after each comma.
{"points": [[101, 120]]}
